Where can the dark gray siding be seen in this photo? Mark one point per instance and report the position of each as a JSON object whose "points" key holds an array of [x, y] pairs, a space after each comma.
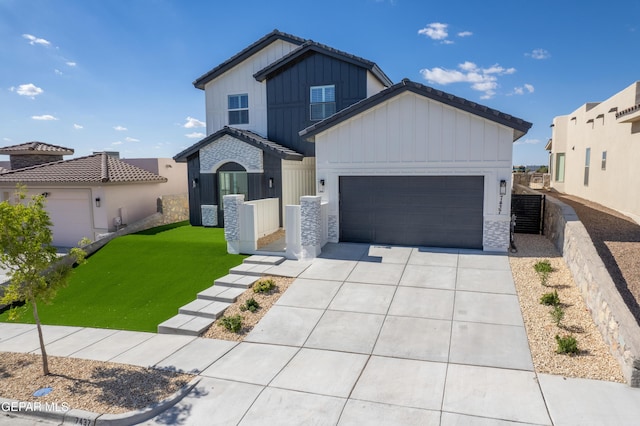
{"points": [[288, 96], [193, 173]]}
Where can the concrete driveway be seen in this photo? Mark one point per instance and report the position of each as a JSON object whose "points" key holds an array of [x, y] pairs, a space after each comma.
{"points": [[366, 335]]}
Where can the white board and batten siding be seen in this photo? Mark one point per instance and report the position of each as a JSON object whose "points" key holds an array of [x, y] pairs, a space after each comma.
{"points": [[413, 135], [239, 80], [298, 179]]}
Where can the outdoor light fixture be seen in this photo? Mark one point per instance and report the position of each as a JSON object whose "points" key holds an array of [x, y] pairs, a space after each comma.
{"points": [[194, 182], [321, 185], [270, 182], [503, 187], [45, 194], [97, 201]]}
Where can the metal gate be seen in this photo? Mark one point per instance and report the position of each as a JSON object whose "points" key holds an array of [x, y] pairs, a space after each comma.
{"points": [[529, 212]]}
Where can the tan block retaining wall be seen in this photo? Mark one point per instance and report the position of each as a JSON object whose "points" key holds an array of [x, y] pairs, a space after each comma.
{"points": [[609, 312]]}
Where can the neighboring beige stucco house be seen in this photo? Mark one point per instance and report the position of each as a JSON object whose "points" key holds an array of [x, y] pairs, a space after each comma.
{"points": [[595, 152], [95, 194]]}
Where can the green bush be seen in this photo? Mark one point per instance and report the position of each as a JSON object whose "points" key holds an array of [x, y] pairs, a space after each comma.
{"points": [[567, 344], [557, 314], [550, 299], [543, 268], [250, 305], [232, 323], [264, 285]]}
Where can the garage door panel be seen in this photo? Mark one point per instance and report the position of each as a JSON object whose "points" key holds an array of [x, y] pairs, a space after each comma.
{"points": [[444, 211]]}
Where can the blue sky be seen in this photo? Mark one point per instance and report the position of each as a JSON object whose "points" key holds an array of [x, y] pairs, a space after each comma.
{"points": [[116, 75]]}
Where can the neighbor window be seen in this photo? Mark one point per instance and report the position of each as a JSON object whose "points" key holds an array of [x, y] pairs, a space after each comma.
{"points": [[239, 109], [322, 102], [560, 167], [587, 160], [604, 160]]}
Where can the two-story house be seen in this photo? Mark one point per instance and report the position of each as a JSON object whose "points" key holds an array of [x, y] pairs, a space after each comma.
{"points": [[256, 104]]}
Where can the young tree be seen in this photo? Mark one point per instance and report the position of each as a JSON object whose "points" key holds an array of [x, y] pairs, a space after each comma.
{"points": [[26, 252]]}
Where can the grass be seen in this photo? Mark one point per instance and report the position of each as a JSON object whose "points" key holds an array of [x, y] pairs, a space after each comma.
{"points": [[137, 281]]}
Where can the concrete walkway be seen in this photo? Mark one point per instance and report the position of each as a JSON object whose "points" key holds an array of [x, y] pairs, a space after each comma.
{"points": [[365, 336]]}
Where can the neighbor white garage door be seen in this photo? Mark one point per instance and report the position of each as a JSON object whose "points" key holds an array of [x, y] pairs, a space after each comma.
{"points": [[71, 214]]}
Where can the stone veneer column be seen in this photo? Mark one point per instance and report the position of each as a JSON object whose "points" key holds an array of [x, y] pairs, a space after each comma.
{"points": [[310, 226], [495, 236], [232, 205]]}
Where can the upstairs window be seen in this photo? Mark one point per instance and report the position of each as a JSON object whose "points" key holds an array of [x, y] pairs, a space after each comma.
{"points": [[587, 160], [323, 102], [238, 109]]}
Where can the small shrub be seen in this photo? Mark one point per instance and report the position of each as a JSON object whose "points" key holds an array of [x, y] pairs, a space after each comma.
{"points": [[232, 323], [251, 305], [550, 299], [567, 344], [543, 268], [264, 285], [557, 314]]}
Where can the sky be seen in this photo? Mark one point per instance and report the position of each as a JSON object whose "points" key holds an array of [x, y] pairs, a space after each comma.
{"points": [[107, 75]]}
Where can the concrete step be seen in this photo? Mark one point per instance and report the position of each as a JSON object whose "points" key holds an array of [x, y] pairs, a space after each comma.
{"points": [[264, 260], [221, 293], [253, 269], [236, 280], [188, 325], [204, 308]]}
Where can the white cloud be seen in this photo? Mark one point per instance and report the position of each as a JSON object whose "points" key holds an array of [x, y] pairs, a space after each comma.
{"points": [[128, 139], [539, 54], [195, 135], [465, 34], [6, 139], [58, 72], [45, 117], [30, 90], [33, 40], [526, 88], [192, 123], [117, 143], [71, 63], [527, 142], [482, 79], [435, 31], [78, 126], [119, 128]]}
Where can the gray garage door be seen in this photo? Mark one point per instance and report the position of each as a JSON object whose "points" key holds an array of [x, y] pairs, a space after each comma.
{"points": [[436, 211]]}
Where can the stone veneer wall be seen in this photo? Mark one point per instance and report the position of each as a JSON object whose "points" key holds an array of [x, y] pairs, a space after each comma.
{"points": [[228, 148], [209, 215], [495, 234], [609, 312]]}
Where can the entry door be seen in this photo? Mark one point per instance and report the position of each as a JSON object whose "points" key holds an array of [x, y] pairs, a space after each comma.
{"points": [[232, 183]]}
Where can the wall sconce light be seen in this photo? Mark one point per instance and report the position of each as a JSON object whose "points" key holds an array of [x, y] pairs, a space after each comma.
{"points": [[271, 182], [45, 194], [321, 185], [97, 201], [194, 183], [503, 187]]}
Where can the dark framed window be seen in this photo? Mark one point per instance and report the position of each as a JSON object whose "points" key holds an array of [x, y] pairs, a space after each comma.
{"points": [[587, 160], [322, 102], [238, 109]]}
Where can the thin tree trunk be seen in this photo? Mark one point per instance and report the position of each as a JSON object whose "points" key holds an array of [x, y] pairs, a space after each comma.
{"points": [[45, 361]]}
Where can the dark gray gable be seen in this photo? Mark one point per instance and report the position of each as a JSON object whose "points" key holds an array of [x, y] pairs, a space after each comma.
{"points": [[519, 126], [201, 81], [246, 136], [312, 46]]}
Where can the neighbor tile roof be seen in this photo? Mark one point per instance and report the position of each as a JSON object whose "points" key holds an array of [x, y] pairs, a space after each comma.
{"points": [[247, 136], [312, 46], [36, 148], [520, 127], [252, 49], [97, 168]]}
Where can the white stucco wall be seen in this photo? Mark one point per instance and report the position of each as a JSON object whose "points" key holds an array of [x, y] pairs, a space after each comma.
{"points": [[621, 141], [413, 135], [239, 80], [373, 85]]}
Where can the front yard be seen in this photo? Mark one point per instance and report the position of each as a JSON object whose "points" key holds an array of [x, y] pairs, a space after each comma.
{"points": [[137, 281]]}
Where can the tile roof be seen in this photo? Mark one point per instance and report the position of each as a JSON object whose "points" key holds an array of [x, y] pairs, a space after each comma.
{"points": [[274, 35], [98, 168], [312, 46], [36, 148], [247, 136], [519, 126]]}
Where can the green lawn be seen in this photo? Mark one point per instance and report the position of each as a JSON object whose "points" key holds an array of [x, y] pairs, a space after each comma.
{"points": [[137, 281]]}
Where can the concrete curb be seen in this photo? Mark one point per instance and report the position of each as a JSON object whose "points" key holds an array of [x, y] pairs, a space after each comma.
{"points": [[56, 412]]}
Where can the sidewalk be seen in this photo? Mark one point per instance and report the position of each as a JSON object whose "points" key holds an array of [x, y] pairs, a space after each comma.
{"points": [[365, 335]]}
